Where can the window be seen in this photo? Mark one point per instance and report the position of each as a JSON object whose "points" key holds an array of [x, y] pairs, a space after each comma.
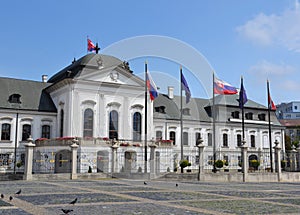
{"points": [[4, 159], [14, 98], [197, 160], [5, 131], [225, 140], [26, 132], [235, 114], [197, 138], [160, 109], [252, 140], [137, 126], [186, 111], [185, 138], [61, 123], [210, 160], [113, 124], [262, 117], [209, 139], [46, 131], [249, 116], [88, 121], [158, 135], [173, 137], [239, 140]]}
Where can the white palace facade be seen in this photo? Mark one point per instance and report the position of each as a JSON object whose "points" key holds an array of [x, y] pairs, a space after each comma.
{"points": [[99, 103]]}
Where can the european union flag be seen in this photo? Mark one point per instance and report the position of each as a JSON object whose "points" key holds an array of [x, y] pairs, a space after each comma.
{"points": [[242, 97], [186, 88]]}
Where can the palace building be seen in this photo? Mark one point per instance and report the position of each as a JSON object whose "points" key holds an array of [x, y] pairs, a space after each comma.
{"points": [[99, 103]]}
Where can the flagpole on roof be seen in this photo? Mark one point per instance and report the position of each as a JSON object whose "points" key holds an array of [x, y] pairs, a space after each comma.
{"points": [[181, 124], [241, 103], [146, 107], [214, 126], [269, 116]]}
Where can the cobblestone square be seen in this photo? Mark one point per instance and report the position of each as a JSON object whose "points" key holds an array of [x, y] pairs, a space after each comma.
{"points": [[128, 197]]}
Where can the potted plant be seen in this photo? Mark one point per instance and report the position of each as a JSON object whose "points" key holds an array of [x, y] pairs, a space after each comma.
{"points": [[184, 163], [255, 164]]}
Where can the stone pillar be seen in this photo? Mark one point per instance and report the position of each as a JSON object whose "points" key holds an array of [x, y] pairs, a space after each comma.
{"points": [[294, 159], [114, 158], [74, 148], [298, 157], [244, 161], [29, 158], [152, 160], [278, 160], [201, 159]]}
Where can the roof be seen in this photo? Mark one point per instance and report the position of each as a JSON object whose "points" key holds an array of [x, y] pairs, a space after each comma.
{"points": [[93, 61], [232, 100], [290, 122], [33, 96], [196, 108]]}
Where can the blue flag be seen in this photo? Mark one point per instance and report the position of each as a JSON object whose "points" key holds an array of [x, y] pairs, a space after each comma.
{"points": [[242, 97], [186, 88]]}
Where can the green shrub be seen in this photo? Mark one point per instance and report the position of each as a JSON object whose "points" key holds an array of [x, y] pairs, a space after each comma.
{"points": [[184, 163], [219, 163]]}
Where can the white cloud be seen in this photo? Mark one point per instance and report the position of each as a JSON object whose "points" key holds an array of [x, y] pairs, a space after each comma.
{"points": [[290, 85], [266, 69], [282, 29]]}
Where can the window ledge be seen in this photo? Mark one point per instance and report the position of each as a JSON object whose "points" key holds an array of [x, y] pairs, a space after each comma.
{"points": [[5, 141]]}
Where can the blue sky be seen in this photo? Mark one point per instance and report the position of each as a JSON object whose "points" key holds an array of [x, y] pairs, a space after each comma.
{"points": [[256, 39]]}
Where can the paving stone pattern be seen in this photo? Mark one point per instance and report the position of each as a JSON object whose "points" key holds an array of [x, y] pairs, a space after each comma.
{"points": [[129, 197]]}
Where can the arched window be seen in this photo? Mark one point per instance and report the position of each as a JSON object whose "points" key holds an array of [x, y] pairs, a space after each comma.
{"points": [[61, 123], [173, 137], [137, 126], [239, 140], [252, 140], [88, 121], [5, 131], [185, 138], [26, 132], [46, 131], [225, 140], [209, 139], [113, 125], [158, 135]]}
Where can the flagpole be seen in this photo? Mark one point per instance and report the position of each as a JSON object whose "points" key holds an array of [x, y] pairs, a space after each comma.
{"points": [[270, 134], [146, 107], [181, 124], [214, 127], [242, 107]]}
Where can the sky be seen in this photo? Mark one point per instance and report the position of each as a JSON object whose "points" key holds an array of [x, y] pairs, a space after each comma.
{"points": [[255, 39]]}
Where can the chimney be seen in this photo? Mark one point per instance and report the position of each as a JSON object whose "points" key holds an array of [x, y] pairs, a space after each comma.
{"points": [[171, 92], [44, 78]]}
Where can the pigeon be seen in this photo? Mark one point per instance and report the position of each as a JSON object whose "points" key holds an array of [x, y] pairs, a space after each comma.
{"points": [[73, 202], [176, 185], [145, 183], [10, 198], [19, 192], [2, 195], [66, 211]]}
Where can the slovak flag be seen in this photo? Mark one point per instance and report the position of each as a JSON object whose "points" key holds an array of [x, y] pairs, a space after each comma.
{"points": [[223, 88], [91, 46], [151, 87], [271, 104]]}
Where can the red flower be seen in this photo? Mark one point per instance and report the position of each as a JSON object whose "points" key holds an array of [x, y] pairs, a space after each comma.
{"points": [[41, 139], [65, 138]]}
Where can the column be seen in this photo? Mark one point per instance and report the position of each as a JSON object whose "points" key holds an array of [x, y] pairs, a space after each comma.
{"points": [[294, 159], [152, 160], [298, 157], [29, 158], [200, 146], [114, 158], [244, 161], [277, 160], [74, 148]]}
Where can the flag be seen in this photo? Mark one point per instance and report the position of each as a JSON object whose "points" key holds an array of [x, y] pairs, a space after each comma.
{"points": [[271, 104], [151, 87], [91, 46], [223, 88], [242, 97], [186, 88]]}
